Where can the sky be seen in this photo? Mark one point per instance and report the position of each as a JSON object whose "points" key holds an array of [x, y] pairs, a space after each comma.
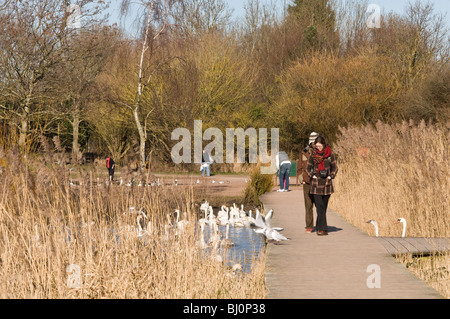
{"points": [[398, 6]]}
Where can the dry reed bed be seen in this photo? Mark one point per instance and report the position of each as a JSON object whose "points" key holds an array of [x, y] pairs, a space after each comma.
{"points": [[46, 225], [392, 171]]}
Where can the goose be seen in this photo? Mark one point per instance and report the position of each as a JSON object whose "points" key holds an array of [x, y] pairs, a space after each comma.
{"points": [[375, 224], [403, 221], [227, 242]]}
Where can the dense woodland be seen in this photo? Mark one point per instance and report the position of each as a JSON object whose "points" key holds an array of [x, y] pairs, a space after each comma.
{"points": [[312, 66]]}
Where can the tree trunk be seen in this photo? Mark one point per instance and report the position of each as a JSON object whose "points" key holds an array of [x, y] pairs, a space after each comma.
{"points": [[76, 133], [23, 131], [140, 127], [24, 125], [142, 137]]}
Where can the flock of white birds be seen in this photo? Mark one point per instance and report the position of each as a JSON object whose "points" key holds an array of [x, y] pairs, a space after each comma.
{"points": [[227, 216], [236, 217]]}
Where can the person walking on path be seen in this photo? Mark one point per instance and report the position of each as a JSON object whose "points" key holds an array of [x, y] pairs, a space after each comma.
{"points": [[306, 182], [284, 167], [111, 166], [322, 169], [206, 162]]}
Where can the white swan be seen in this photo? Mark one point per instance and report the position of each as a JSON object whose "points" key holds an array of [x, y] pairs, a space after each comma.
{"points": [[181, 224], [403, 221], [202, 243], [235, 219], [215, 238], [222, 216], [375, 224], [211, 218], [227, 242], [143, 225]]}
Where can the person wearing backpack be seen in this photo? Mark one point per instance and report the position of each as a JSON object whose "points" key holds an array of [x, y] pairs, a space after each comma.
{"points": [[284, 167], [322, 169], [111, 166]]}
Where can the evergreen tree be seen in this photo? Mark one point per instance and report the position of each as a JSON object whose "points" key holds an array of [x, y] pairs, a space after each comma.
{"points": [[318, 20]]}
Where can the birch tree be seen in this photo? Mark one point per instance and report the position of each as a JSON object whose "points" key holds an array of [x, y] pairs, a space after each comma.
{"points": [[156, 22]]}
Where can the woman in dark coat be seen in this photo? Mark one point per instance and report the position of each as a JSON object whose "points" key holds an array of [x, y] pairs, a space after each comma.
{"points": [[322, 169]]}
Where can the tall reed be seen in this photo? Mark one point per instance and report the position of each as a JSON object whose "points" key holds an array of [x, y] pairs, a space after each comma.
{"points": [[392, 171], [63, 241]]}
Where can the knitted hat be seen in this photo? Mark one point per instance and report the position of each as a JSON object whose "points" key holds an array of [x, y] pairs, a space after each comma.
{"points": [[313, 137]]}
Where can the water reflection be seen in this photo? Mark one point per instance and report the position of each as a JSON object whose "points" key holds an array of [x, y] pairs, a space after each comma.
{"points": [[247, 245]]}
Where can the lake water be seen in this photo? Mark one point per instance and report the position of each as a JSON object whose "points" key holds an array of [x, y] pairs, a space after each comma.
{"points": [[247, 245]]}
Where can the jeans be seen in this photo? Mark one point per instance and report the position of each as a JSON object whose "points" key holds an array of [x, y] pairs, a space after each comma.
{"points": [[321, 202], [207, 171], [284, 176]]}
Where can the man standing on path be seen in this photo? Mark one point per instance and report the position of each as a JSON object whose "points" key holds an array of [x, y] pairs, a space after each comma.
{"points": [[306, 182], [111, 166], [284, 166], [206, 163]]}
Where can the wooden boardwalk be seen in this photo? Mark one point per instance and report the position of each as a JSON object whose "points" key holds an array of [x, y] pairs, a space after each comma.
{"points": [[337, 266], [415, 245]]}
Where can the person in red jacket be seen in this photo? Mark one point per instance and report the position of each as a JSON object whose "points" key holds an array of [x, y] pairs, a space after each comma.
{"points": [[321, 169], [110, 165]]}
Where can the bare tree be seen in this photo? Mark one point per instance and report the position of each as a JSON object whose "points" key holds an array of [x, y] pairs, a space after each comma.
{"points": [[157, 13], [203, 16], [33, 41]]}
